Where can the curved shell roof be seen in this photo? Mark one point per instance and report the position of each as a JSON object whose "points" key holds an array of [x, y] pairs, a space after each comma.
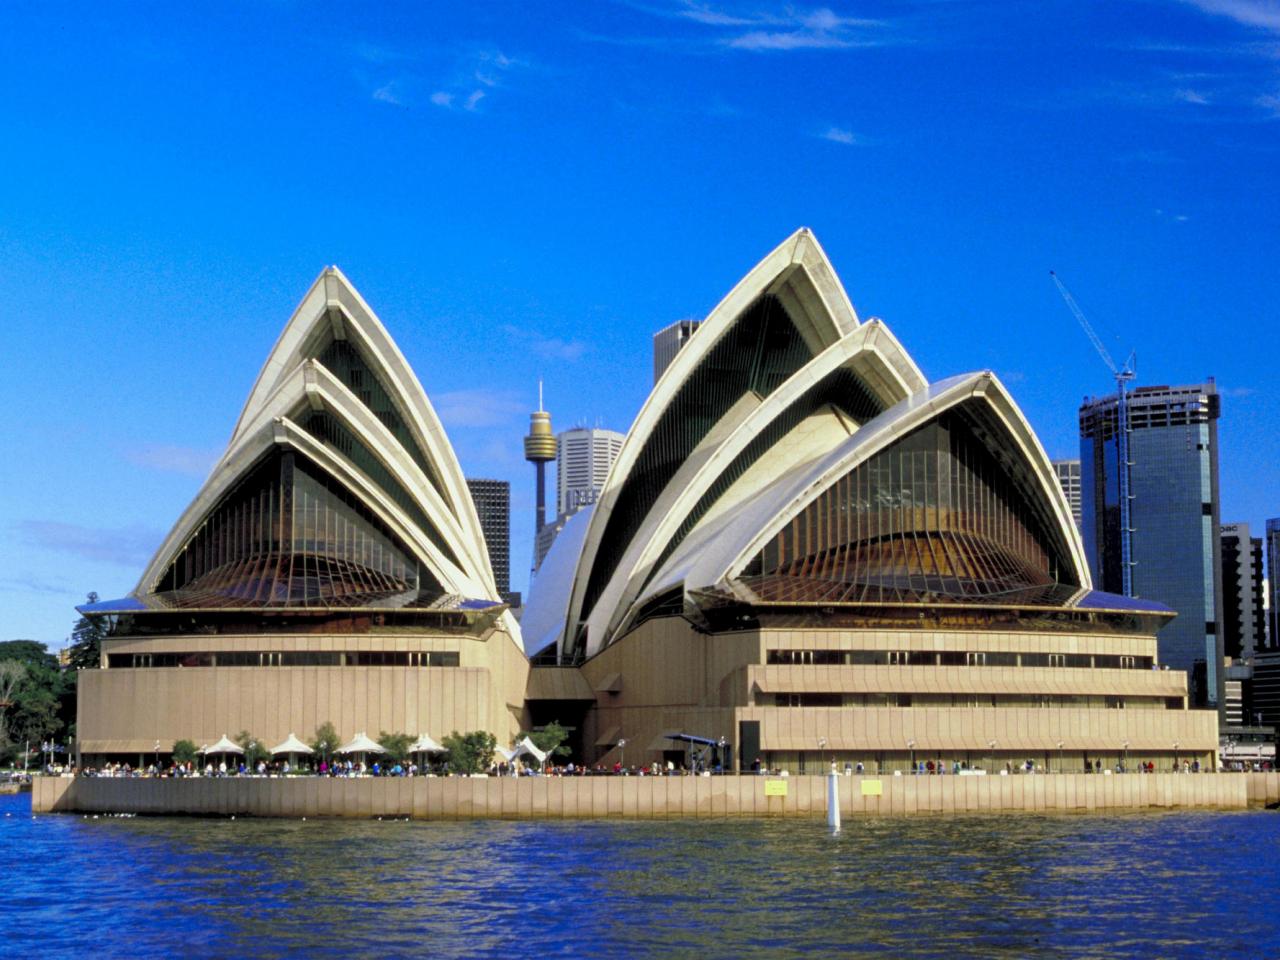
{"points": [[779, 394], [337, 392]]}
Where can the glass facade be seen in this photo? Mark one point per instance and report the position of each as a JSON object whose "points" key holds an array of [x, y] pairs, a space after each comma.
{"points": [[288, 535], [935, 514], [1174, 513]]}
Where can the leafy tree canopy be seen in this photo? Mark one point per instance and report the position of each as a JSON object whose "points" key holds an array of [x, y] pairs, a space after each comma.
{"points": [[34, 709], [396, 744], [86, 640], [184, 751], [470, 752], [254, 749], [325, 741]]}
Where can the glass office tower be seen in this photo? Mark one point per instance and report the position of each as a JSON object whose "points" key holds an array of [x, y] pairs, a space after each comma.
{"points": [[1174, 516]]}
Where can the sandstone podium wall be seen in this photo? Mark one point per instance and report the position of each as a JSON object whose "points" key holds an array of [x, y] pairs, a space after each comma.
{"points": [[556, 798]]}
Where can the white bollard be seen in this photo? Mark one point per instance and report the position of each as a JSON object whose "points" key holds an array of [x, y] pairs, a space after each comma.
{"points": [[833, 802]]}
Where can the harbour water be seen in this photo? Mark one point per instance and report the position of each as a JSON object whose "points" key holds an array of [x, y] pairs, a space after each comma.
{"points": [[1192, 884]]}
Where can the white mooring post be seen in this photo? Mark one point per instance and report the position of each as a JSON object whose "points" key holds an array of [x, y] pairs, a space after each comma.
{"points": [[833, 801]]}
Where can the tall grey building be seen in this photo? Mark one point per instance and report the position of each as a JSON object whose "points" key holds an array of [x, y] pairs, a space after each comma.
{"points": [[1243, 628], [667, 343], [1068, 472], [1174, 516], [583, 458], [493, 505], [1273, 583]]}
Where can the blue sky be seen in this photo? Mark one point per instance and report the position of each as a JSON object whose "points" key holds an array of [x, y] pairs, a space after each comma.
{"points": [[525, 191]]}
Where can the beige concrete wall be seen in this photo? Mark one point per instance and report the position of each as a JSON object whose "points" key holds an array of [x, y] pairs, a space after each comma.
{"points": [[676, 679], [635, 797], [125, 710]]}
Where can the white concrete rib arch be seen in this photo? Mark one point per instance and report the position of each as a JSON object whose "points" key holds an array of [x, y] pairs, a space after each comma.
{"points": [[798, 272], [720, 552], [871, 352], [333, 304]]}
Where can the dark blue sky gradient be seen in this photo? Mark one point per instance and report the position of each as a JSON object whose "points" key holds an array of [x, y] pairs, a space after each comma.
{"points": [[524, 191]]}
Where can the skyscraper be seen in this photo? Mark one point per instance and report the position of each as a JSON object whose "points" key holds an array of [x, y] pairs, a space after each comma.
{"points": [[1273, 583], [667, 343], [493, 506], [583, 458], [1068, 472], [1244, 630], [1174, 511]]}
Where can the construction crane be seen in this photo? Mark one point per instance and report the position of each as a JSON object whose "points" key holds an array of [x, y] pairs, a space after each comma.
{"points": [[1123, 376]]}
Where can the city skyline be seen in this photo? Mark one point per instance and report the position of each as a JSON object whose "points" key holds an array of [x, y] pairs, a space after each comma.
{"points": [[184, 227]]}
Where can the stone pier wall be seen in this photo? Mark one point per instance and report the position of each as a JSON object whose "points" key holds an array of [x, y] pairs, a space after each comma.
{"points": [[555, 798]]}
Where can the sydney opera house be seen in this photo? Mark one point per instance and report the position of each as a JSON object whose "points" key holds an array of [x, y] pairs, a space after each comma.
{"points": [[804, 552]]}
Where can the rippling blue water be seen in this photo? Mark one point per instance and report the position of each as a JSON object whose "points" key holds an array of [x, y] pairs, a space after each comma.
{"points": [[1143, 885]]}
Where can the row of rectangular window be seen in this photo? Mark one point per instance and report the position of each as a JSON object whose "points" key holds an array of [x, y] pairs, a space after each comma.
{"points": [[956, 658], [975, 700], [287, 658]]}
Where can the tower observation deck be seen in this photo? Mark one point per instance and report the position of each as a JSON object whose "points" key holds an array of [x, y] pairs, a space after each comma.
{"points": [[539, 448]]}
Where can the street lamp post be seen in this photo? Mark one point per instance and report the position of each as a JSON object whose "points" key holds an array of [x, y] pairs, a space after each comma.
{"points": [[991, 756], [822, 753], [1175, 756], [157, 758], [911, 747], [622, 754], [1061, 769], [722, 743], [1125, 767]]}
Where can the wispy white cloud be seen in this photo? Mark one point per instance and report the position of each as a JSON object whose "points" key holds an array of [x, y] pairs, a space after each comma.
{"points": [[549, 348], [129, 546], [172, 458], [478, 408], [1237, 392], [839, 135], [1269, 102], [1262, 14], [479, 74], [387, 94], [1187, 95], [779, 27]]}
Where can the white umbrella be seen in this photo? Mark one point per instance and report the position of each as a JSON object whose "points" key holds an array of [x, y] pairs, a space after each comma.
{"points": [[360, 743], [225, 745], [291, 745], [424, 744]]}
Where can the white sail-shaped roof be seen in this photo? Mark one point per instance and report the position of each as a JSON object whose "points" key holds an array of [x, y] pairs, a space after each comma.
{"points": [[386, 487], [787, 310], [722, 457]]}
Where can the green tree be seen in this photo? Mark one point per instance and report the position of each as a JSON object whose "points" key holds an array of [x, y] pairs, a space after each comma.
{"points": [[254, 750], [396, 744], [12, 673], [35, 700], [86, 641], [325, 741], [184, 751], [550, 739], [470, 752]]}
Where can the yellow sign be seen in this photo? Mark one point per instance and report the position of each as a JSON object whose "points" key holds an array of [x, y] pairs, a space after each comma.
{"points": [[775, 788], [872, 788]]}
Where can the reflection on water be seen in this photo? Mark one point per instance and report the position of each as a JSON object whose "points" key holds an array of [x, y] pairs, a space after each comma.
{"points": [[1096, 886]]}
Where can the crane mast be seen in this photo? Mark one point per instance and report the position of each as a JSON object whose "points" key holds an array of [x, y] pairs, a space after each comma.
{"points": [[1123, 377]]}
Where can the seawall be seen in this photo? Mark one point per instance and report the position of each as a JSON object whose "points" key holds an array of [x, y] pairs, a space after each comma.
{"points": [[560, 798]]}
